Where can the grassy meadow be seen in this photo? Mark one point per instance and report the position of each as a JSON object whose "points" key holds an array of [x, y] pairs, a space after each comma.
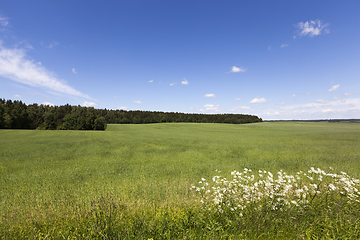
{"points": [[134, 181]]}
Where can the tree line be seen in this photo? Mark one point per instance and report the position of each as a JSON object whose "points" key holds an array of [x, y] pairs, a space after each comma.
{"points": [[18, 115]]}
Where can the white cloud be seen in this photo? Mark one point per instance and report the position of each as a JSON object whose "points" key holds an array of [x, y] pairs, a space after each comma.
{"points": [[15, 65], [210, 95], [48, 104], [237, 99], [124, 108], [258, 100], [139, 102], [317, 104], [328, 110], [320, 101], [347, 94], [284, 45], [238, 108], [17, 96], [151, 81], [74, 71], [294, 95], [4, 21], [89, 104], [281, 103], [312, 28], [333, 88], [210, 108], [185, 82], [235, 69], [320, 109], [172, 84]]}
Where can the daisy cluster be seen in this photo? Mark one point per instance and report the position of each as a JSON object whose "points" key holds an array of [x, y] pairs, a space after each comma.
{"points": [[275, 191]]}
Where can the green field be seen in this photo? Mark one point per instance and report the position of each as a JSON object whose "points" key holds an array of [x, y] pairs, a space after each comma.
{"points": [[48, 178]]}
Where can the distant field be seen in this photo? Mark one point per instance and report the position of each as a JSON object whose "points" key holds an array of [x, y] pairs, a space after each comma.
{"points": [[44, 174]]}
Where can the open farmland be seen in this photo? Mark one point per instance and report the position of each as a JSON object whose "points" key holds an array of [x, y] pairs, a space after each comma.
{"points": [[53, 180]]}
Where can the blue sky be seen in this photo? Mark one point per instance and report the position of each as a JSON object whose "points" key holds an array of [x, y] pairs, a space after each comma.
{"points": [[273, 59]]}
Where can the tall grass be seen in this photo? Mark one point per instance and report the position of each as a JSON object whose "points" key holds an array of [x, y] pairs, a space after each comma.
{"points": [[134, 181]]}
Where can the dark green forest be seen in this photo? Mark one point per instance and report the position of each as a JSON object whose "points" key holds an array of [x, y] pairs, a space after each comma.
{"points": [[18, 115]]}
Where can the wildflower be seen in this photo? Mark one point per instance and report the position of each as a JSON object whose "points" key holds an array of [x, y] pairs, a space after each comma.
{"points": [[278, 193], [332, 187]]}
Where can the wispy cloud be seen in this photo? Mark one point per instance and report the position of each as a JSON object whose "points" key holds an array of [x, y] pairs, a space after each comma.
{"points": [[258, 100], [312, 28], [53, 44], [333, 88], [284, 45], [17, 96], [4, 21], [185, 82], [23, 44], [28, 46], [89, 104], [237, 99], [74, 71], [138, 102], [151, 81], [124, 108], [48, 104], [210, 95], [294, 95], [235, 69], [15, 65]]}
